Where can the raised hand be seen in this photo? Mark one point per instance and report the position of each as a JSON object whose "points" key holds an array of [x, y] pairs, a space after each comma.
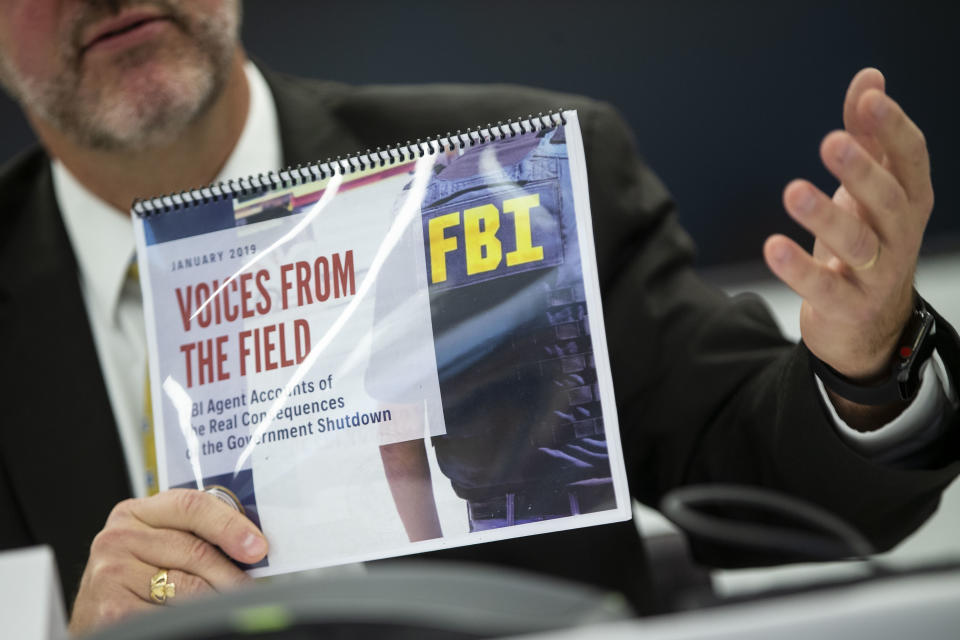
{"points": [[857, 286]]}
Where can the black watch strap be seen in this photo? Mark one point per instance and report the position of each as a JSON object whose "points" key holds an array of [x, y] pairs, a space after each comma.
{"points": [[925, 331]]}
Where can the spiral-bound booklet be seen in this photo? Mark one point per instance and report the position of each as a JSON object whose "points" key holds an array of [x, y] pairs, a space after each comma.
{"points": [[392, 353]]}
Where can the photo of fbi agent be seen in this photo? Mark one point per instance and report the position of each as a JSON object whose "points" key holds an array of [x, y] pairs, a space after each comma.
{"points": [[525, 438]]}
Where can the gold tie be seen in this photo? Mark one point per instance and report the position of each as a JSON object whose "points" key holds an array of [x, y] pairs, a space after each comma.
{"points": [[146, 421], [149, 447]]}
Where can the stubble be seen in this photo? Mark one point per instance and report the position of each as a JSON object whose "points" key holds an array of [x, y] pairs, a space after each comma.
{"points": [[141, 98]]}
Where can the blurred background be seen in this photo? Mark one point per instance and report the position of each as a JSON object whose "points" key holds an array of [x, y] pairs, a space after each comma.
{"points": [[729, 100]]}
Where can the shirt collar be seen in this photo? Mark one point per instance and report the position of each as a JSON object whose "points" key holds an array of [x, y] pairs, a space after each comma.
{"points": [[102, 237]]}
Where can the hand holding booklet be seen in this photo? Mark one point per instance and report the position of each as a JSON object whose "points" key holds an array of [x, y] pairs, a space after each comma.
{"points": [[389, 354]]}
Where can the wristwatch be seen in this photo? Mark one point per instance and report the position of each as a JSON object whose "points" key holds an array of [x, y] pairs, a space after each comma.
{"points": [[917, 342]]}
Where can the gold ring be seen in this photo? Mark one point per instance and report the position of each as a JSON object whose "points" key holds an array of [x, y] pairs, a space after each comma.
{"points": [[160, 588], [226, 496], [869, 263]]}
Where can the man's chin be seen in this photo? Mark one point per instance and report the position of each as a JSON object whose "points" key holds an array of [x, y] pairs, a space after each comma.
{"points": [[138, 93], [143, 105]]}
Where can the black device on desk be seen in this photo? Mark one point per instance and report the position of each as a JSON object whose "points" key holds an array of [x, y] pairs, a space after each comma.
{"points": [[422, 601]]}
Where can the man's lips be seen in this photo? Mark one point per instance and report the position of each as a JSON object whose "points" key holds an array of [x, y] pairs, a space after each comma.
{"points": [[123, 29]]}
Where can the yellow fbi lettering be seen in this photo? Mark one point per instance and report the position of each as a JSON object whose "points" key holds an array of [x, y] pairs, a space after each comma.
{"points": [[483, 250]]}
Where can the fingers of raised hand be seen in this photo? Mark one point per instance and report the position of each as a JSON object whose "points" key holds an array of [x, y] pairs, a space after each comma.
{"points": [[857, 285], [811, 279], [882, 199], [904, 143], [844, 233], [853, 120]]}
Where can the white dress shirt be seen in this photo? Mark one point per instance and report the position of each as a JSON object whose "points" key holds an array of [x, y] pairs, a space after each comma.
{"points": [[103, 241]]}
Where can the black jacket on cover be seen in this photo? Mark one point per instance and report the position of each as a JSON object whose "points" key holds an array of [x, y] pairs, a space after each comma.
{"points": [[707, 388]]}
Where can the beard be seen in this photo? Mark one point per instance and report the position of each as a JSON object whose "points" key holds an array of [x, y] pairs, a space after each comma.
{"points": [[143, 97]]}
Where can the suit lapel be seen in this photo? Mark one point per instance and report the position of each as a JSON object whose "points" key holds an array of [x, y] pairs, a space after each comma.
{"points": [[60, 447], [310, 130]]}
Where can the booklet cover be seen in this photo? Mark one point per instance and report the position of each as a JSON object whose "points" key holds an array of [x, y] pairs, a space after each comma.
{"points": [[389, 354]]}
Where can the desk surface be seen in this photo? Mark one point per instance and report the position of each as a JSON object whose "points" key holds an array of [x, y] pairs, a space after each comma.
{"points": [[915, 607]]}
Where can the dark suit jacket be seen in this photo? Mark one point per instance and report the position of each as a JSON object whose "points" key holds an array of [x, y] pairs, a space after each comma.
{"points": [[707, 389]]}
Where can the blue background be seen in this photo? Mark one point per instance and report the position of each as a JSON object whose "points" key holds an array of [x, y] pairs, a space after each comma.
{"points": [[729, 98]]}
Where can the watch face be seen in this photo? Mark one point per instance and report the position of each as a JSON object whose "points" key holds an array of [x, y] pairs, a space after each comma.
{"points": [[916, 345], [916, 335]]}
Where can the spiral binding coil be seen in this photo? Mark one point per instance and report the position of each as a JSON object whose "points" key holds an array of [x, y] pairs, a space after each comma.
{"points": [[303, 174]]}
